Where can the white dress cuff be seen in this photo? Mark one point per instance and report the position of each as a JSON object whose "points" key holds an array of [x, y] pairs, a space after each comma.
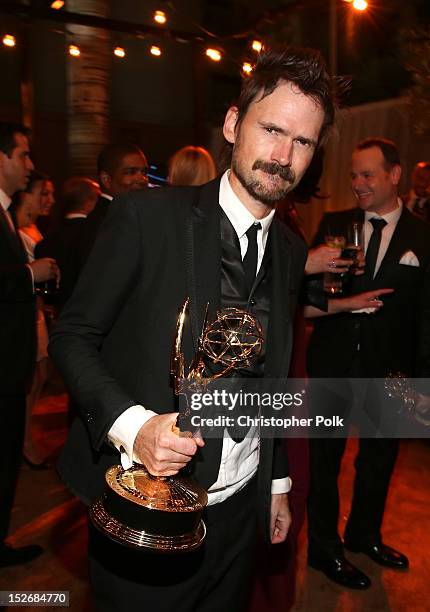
{"points": [[123, 432], [281, 485]]}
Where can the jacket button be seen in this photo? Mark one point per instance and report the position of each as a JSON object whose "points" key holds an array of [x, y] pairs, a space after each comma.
{"points": [[252, 302]]}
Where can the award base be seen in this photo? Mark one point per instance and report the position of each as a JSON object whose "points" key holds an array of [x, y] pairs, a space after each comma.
{"points": [[145, 512]]}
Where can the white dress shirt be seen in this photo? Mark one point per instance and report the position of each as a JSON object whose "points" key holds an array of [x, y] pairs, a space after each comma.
{"points": [[239, 460], [392, 219]]}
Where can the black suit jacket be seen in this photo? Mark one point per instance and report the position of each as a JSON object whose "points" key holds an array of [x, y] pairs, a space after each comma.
{"points": [[17, 314], [92, 225], [113, 341], [63, 244], [397, 338]]}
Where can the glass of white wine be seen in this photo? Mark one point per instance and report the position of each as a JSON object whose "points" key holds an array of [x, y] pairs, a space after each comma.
{"points": [[354, 243], [332, 280]]}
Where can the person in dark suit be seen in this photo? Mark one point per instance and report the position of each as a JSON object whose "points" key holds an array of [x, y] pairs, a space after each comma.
{"points": [[80, 195], [219, 244], [395, 338], [121, 167], [17, 327], [418, 199]]}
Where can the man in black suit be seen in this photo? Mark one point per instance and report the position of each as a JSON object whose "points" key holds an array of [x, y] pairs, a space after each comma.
{"points": [[395, 338], [17, 327], [80, 195], [121, 167], [418, 199], [218, 244]]}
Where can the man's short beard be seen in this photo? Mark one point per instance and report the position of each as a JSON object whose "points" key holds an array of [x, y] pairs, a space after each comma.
{"points": [[257, 190]]}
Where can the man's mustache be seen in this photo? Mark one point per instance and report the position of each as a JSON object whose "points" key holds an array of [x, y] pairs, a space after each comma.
{"points": [[285, 172]]}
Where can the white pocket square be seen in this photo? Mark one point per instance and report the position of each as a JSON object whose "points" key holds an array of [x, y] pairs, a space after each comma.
{"points": [[409, 259]]}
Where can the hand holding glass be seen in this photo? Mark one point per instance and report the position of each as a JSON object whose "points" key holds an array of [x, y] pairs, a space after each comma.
{"points": [[332, 280]]}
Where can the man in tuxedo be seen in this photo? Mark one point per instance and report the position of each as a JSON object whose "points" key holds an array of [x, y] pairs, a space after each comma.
{"points": [[17, 327], [80, 195], [418, 199], [395, 338], [219, 244], [121, 167]]}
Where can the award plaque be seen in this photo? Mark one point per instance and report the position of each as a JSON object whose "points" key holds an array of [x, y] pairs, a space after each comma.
{"points": [[164, 514]]}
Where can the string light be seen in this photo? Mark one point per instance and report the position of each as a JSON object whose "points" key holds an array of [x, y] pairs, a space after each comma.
{"points": [[119, 52], [214, 54], [155, 50], [57, 4], [247, 67], [74, 51], [257, 45], [160, 17], [9, 40], [360, 5]]}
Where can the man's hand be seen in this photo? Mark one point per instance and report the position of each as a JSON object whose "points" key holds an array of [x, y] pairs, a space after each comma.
{"points": [[326, 259], [162, 451], [367, 299], [280, 518], [45, 269]]}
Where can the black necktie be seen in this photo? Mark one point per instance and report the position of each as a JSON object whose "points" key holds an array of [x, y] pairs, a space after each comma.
{"points": [[251, 255], [373, 247]]}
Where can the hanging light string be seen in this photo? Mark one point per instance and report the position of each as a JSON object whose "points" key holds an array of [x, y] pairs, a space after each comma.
{"points": [[214, 45]]}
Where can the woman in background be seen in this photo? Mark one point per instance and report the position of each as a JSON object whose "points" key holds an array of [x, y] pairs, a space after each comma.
{"points": [[26, 207], [45, 220], [191, 166]]}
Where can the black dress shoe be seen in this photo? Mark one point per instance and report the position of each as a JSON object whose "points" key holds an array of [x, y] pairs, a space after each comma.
{"points": [[16, 556], [341, 571], [382, 554]]}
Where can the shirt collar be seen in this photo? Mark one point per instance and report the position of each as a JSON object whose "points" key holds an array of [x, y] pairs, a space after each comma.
{"points": [[391, 217], [107, 196], [238, 215], [5, 200]]}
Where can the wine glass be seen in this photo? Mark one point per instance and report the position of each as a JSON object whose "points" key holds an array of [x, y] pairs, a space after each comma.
{"points": [[332, 281]]}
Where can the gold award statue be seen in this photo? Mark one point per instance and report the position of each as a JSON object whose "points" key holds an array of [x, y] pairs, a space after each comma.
{"points": [[164, 514]]}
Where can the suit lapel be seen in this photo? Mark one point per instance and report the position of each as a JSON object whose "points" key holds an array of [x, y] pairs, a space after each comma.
{"points": [[204, 287], [399, 243], [279, 331], [205, 281]]}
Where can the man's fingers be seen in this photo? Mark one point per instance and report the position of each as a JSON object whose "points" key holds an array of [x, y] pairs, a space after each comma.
{"points": [[166, 454], [199, 441], [178, 444], [343, 262], [168, 470], [373, 296], [384, 291], [160, 447]]}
